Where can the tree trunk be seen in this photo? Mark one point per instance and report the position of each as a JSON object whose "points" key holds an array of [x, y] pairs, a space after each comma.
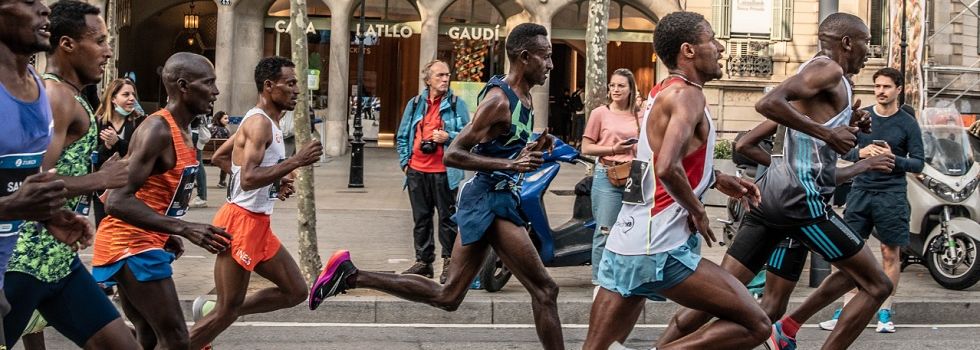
{"points": [[596, 31], [309, 258]]}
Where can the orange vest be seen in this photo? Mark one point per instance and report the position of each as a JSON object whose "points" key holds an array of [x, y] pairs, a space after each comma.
{"points": [[167, 194]]}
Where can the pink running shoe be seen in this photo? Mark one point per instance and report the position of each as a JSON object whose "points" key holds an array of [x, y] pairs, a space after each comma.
{"points": [[333, 279]]}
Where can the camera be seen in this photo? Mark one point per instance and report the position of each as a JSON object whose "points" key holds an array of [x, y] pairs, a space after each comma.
{"points": [[428, 147]]}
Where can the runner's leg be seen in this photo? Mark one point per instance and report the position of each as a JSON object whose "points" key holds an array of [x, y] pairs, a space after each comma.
{"points": [[144, 333], [612, 319], [157, 302], [515, 249], [741, 322], [231, 284], [466, 263], [290, 288]]}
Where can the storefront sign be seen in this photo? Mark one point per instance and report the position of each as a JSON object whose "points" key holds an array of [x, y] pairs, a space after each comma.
{"points": [[752, 16], [478, 33], [283, 26], [397, 30]]}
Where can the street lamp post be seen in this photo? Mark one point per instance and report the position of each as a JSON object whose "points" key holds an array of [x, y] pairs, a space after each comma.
{"points": [[904, 46], [357, 145]]}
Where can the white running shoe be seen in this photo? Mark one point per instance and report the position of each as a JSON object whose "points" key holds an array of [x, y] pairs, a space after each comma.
{"points": [[829, 325], [201, 307], [617, 346], [885, 324], [197, 202]]}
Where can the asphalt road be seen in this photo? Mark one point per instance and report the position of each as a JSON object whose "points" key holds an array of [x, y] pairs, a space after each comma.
{"points": [[286, 336]]}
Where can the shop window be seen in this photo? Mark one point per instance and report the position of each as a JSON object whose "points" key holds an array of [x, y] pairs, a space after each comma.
{"points": [[470, 42]]}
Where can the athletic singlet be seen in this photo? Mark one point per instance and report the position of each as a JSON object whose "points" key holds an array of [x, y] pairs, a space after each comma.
{"points": [[263, 199], [167, 194], [26, 138], [659, 224], [38, 253], [797, 187], [511, 144]]}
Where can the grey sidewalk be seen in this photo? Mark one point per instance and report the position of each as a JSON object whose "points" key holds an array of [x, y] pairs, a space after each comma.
{"points": [[375, 224]]}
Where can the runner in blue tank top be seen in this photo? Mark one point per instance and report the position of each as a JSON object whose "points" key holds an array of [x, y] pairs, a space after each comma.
{"points": [[497, 145], [24, 110]]}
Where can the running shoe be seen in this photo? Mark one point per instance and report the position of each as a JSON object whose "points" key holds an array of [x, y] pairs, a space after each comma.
{"points": [[829, 325], [201, 307], [885, 324], [333, 279], [198, 202], [617, 346], [778, 340]]}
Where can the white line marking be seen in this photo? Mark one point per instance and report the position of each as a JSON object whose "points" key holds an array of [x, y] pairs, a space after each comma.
{"points": [[398, 261], [507, 326]]}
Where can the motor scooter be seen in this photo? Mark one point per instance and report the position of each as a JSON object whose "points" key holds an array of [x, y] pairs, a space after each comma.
{"points": [[569, 244], [944, 203]]}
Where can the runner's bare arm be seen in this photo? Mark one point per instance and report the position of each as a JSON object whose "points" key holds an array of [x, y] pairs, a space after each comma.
{"points": [[144, 153], [221, 157], [685, 108], [256, 135], [492, 118], [749, 145], [881, 163], [65, 109], [817, 77]]}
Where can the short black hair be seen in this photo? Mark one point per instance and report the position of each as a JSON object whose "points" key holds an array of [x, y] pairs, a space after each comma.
{"points": [[68, 19], [840, 24], [675, 29], [522, 37], [892, 73], [270, 68]]}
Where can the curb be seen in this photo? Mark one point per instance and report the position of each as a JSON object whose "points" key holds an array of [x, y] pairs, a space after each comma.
{"points": [[490, 310]]}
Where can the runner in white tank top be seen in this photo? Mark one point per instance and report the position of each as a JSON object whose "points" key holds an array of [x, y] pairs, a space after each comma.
{"points": [[653, 251], [262, 199], [260, 174]]}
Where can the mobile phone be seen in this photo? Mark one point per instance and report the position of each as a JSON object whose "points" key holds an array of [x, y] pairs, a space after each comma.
{"points": [[880, 143], [632, 141]]}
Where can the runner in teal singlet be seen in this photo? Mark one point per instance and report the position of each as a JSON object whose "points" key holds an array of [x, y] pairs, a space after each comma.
{"points": [[497, 145]]}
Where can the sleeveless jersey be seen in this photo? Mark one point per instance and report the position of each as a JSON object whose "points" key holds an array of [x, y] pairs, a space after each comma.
{"points": [[167, 194], [659, 224], [511, 144], [38, 253], [25, 139], [263, 199], [797, 187]]}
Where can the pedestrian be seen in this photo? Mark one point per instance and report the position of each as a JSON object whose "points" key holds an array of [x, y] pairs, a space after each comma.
{"points": [[878, 202], [118, 120], [26, 193], [261, 173], [611, 135], [654, 249], [430, 123], [497, 145], [200, 135], [139, 240], [219, 131], [44, 273]]}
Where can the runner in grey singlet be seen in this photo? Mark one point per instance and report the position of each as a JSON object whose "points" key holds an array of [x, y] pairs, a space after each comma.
{"points": [[798, 185]]}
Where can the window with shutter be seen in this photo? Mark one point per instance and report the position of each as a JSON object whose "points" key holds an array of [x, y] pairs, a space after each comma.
{"points": [[721, 18], [782, 20]]}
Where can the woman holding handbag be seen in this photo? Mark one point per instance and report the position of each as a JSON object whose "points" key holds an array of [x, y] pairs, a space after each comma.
{"points": [[611, 135]]}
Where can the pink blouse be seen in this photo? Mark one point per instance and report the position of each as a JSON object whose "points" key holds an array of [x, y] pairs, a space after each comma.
{"points": [[607, 128]]}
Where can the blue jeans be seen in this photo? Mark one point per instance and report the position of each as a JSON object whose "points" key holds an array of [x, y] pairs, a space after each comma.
{"points": [[606, 202]]}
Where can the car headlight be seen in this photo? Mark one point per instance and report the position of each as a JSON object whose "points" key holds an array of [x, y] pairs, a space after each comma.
{"points": [[947, 193]]}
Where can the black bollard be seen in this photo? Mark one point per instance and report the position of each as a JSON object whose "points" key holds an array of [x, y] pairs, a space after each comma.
{"points": [[819, 269]]}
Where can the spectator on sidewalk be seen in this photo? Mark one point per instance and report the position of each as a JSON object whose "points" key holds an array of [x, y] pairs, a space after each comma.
{"points": [[430, 123], [611, 135], [878, 201], [200, 135], [117, 119], [219, 130]]}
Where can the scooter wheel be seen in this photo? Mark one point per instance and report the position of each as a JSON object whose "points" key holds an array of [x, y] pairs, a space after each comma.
{"points": [[957, 273], [494, 274]]}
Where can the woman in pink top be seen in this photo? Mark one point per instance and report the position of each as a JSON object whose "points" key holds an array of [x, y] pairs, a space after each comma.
{"points": [[611, 134]]}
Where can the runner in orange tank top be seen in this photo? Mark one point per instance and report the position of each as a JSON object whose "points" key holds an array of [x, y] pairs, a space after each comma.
{"points": [[137, 241]]}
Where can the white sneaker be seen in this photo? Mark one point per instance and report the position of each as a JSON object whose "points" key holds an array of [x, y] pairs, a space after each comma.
{"points": [[829, 325], [617, 346], [885, 324], [197, 202]]}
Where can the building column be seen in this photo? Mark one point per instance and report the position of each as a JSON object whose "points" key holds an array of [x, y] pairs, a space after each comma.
{"points": [[430, 11], [541, 95], [223, 54], [338, 76]]}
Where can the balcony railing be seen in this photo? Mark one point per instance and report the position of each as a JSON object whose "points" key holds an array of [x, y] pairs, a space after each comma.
{"points": [[749, 58]]}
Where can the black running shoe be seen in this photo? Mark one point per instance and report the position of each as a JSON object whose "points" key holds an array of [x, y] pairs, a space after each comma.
{"points": [[421, 269]]}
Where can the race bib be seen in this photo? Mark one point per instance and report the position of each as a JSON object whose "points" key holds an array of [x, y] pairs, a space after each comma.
{"points": [[182, 196], [14, 169], [633, 191]]}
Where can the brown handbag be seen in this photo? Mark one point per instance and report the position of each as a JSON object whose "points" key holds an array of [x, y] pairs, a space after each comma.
{"points": [[618, 173]]}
